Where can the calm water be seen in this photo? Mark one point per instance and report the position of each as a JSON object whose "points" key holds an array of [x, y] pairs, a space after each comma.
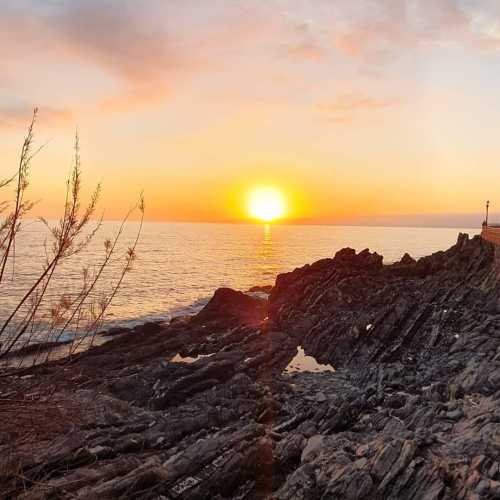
{"points": [[180, 265], [301, 362]]}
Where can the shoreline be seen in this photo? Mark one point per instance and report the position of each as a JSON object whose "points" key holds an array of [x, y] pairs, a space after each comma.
{"points": [[57, 348], [412, 409]]}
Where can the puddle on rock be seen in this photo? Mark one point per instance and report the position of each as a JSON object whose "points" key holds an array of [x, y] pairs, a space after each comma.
{"points": [[188, 359], [303, 363]]}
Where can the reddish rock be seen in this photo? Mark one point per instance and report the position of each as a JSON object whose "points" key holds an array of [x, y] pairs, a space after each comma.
{"points": [[230, 307]]}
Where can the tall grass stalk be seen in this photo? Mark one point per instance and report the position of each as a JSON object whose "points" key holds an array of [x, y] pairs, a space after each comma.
{"points": [[80, 314]]}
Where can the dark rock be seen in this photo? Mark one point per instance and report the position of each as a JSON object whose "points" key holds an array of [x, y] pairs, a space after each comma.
{"points": [[407, 260], [229, 307], [410, 412], [34, 349], [455, 414], [117, 330], [396, 400], [261, 289], [180, 320], [148, 328], [347, 257]]}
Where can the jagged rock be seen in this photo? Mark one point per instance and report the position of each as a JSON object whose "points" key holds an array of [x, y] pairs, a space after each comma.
{"points": [[351, 309], [455, 414], [231, 307], [312, 447], [412, 410], [407, 260], [117, 330]]}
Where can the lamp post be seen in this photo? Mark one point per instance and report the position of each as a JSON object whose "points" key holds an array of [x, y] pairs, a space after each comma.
{"points": [[487, 211]]}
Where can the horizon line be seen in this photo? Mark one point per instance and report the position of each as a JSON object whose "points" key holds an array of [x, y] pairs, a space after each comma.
{"points": [[401, 225]]}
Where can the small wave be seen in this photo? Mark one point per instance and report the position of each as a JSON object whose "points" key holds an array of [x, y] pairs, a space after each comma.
{"points": [[187, 310], [193, 308]]}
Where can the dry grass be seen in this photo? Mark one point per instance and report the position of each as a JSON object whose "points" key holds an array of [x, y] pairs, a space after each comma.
{"points": [[34, 319]]}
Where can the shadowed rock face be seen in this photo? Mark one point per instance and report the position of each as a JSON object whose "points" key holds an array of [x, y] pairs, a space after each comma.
{"points": [[411, 412], [232, 308]]}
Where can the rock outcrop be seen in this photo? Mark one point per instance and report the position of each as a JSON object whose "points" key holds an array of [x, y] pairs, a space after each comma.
{"points": [[233, 308], [352, 310], [411, 412]]}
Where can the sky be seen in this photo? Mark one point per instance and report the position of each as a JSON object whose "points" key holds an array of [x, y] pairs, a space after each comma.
{"points": [[382, 111]]}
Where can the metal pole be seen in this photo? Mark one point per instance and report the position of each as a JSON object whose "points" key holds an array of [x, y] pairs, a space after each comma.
{"points": [[487, 210]]}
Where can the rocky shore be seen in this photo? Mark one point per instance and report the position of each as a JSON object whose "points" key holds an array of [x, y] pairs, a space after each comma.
{"points": [[411, 412]]}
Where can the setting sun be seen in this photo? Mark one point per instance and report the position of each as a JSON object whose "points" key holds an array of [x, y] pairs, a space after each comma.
{"points": [[266, 204]]}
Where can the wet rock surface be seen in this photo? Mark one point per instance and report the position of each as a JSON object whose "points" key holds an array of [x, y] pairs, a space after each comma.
{"points": [[412, 410]]}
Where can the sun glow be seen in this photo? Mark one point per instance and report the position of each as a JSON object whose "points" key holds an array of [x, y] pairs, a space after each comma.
{"points": [[266, 204]]}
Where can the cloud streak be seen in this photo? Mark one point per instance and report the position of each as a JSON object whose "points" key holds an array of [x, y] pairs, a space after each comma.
{"points": [[146, 49], [346, 107], [17, 116], [377, 31]]}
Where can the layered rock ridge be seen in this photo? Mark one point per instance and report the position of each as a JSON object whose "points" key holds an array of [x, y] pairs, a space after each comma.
{"points": [[412, 410], [352, 309]]}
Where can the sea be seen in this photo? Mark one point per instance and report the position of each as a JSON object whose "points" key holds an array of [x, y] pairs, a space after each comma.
{"points": [[178, 266]]}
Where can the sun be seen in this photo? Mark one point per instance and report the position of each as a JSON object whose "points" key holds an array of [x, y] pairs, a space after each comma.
{"points": [[266, 204]]}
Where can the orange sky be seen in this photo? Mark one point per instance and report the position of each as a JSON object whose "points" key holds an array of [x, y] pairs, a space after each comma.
{"points": [[353, 109]]}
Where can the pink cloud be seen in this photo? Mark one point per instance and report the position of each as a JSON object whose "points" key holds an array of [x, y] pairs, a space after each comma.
{"points": [[150, 50], [346, 107], [146, 51], [308, 51], [391, 27], [18, 116]]}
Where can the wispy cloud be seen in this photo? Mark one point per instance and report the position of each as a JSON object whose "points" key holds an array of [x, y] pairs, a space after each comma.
{"points": [[113, 36], [17, 116], [346, 107], [376, 31], [306, 50], [303, 42], [146, 51]]}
